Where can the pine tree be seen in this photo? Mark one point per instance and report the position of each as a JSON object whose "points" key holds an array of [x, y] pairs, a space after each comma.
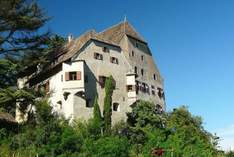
{"points": [[107, 104], [20, 21]]}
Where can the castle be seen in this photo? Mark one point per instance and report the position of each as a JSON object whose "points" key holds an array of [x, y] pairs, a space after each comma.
{"points": [[77, 73]]}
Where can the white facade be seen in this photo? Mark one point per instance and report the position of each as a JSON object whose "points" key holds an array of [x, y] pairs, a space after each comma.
{"points": [[75, 82]]}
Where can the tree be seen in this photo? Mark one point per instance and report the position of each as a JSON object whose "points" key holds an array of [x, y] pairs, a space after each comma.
{"points": [[230, 154], [107, 112], [19, 22], [189, 137], [8, 73], [145, 113], [10, 96], [97, 117]]}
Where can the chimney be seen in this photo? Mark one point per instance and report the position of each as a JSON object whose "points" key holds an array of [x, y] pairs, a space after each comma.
{"points": [[70, 38]]}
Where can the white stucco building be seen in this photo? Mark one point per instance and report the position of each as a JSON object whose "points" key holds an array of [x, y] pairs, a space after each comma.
{"points": [[78, 70]]}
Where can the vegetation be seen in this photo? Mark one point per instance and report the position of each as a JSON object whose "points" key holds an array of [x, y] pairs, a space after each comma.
{"points": [[107, 104], [177, 132]]}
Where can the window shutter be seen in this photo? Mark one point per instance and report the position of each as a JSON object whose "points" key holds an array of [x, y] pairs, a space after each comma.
{"points": [[66, 76], [78, 75]]}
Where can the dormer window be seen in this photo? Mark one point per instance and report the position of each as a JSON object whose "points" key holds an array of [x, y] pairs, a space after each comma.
{"points": [[114, 60], [98, 56], [105, 49]]}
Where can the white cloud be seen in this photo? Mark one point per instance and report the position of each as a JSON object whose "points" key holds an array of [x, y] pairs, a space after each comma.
{"points": [[227, 137]]}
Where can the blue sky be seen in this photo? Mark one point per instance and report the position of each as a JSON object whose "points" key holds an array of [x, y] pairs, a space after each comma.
{"points": [[192, 42]]}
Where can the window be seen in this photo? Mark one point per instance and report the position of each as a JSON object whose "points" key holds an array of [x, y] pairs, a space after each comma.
{"points": [[98, 56], [65, 95], [102, 80], [114, 60], [105, 49], [137, 86], [155, 77], [158, 109], [73, 75], [136, 44], [130, 88], [152, 87], [153, 92], [143, 87], [135, 70], [116, 106], [142, 72], [59, 104], [160, 93], [142, 57], [88, 102], [133, 53]]}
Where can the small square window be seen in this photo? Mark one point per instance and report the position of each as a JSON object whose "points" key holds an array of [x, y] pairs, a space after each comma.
{"points": [[72, 76], [105, 49], [130, 88], [116, 107], [102, 80], [98, 56], [114, 60]]}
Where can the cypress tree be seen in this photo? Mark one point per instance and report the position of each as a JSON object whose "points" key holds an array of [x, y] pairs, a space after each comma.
{"points": [[107, 104], [97, 117]]}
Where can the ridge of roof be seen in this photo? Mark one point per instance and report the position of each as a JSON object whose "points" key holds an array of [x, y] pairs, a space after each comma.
{"points": [[116, 32]]}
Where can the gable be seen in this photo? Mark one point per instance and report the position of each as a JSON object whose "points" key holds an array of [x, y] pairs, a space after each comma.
{"points": [[140, 45]]}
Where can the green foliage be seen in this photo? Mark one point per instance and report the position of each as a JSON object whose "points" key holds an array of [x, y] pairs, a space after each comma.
{"points": [[97, 121], [109, 87], [51, 135], [145, 113], [19, 22], [8, 71], [112, 146], [10, 96], [230, 154]]}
